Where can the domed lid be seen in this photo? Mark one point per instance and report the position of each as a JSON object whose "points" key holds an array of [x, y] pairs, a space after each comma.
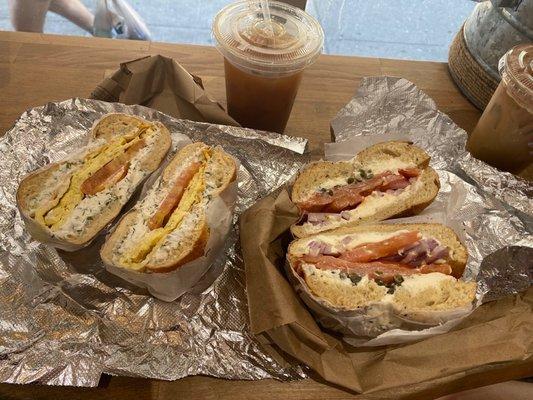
{"points": [[292, 40], [516, 69]]}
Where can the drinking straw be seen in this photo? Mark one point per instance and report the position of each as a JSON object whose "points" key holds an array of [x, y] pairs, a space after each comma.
{"points": [[265, 8]]}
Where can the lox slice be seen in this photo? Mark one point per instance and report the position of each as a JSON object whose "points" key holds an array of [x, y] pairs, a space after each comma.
{"points": [[385, 271], [349, 196]]}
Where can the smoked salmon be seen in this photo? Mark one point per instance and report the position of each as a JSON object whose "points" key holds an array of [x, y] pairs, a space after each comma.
{"points": [[349, 196], [384, 271]]}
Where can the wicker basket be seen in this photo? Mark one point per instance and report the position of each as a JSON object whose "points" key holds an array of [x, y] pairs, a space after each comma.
{"points": [[475, 83]]}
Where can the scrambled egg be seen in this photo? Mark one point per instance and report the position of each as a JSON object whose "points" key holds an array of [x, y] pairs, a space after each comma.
{"points": [[154, 239], [54, 217]]}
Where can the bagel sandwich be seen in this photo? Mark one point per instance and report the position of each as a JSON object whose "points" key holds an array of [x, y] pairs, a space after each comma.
{"points": [[408, 271], [68, 203], [168, 227], [386, 180]]}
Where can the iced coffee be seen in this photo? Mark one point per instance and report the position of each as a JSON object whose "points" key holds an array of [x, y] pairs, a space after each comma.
{"points": [[264, 60], [503, 136]]}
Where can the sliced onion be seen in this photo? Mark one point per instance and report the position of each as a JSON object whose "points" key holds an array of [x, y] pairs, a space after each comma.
{"points": [[346, 240], [317, 218], [438, 253], [314, 248], [317, 247], [346, 215]]}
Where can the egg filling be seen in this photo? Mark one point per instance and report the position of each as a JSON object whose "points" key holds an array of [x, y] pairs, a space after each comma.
{"points": [[107, 163]]}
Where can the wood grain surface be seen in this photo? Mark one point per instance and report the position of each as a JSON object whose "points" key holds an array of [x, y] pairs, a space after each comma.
{"points": [[38, 68]]}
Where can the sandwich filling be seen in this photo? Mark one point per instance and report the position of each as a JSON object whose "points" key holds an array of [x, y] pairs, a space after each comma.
{"points": [[404, 272], [383, 258], [84, 184], [358, 195], [350, 193]]}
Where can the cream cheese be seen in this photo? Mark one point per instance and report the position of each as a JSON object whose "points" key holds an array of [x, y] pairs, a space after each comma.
{"points": [[418, 283], [392, 165], [92, 206]]}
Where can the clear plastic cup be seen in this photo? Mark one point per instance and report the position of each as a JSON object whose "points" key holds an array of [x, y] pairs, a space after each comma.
{"points": [[264, 63], [503, 136]]}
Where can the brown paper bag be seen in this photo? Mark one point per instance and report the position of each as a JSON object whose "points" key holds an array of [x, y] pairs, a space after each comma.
{"points": [[492, 345], [161, 83]]}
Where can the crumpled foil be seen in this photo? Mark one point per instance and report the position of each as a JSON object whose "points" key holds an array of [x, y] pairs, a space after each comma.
{"points": [[496, 218], [66, 323]]}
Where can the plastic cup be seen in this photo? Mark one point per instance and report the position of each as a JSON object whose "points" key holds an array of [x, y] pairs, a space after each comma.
{"points": [[503, 136], [264, 60]]}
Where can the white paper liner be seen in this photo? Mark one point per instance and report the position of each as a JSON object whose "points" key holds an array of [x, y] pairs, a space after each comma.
{"points": [[342, 151]]}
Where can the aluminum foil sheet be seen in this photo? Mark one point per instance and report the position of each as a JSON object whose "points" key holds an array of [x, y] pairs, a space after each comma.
{"points": [[65, 321], [496, 217], [384, 105]]}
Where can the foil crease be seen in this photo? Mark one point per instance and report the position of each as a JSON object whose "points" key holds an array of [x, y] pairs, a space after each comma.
{"points": [[65, 320], [496, 221]]}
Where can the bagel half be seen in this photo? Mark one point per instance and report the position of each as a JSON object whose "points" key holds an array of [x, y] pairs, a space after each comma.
{"points": [[68, 203], [406, 271], [168, 227], [349, 193]]}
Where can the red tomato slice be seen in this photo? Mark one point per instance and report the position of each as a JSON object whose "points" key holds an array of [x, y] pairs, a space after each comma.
{"points": [[112, 172], [173, 198], [384, 271], [388, 247]]}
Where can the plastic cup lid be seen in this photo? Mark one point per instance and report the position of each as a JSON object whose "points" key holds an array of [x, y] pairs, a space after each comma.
{"points": [[293, 40], [516, 69]]}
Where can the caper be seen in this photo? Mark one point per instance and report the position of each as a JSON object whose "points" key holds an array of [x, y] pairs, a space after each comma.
{"points": [[380, 282], [362, 172], [378, 272], [391, 289], [350, 180], [355, 278], [330, 192], [343, 275], [398, 279], [369, 174]]}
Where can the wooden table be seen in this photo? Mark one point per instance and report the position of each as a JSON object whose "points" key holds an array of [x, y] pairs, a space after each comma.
{"points": [[38, 68]]}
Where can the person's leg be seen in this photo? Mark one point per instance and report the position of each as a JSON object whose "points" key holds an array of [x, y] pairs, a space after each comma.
{"points": [[28, 15], [74, 11]]}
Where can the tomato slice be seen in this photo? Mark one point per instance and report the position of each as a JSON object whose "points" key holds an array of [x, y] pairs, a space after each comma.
{"points": [[112, 172], [385, 248], [409, 172], [172, 199]]}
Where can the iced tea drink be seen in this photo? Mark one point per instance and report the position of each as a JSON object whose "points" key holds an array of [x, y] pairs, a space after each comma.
{"points": [[264, 60], [503, 136]]}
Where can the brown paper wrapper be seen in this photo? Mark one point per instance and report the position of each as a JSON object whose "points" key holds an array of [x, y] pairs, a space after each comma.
{"points": [[493, 344], [161, 83]]}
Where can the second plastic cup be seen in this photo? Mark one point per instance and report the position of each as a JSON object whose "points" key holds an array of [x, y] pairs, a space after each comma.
{"points": [[264, 61], [503, 136]]}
